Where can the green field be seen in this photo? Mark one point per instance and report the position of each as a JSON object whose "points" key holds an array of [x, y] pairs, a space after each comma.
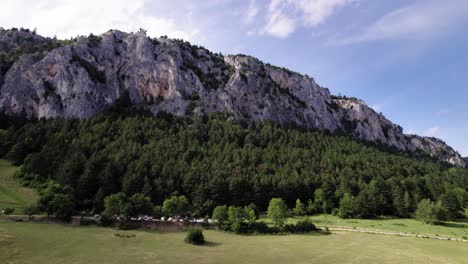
{"points": [[54, 243], [410, 226], [12, 194], [50, 243]]}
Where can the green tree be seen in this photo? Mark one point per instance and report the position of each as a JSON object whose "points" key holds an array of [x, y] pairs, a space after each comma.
{"points": [[250, 214], [428, 212], [235, 217], [116, 205], [56, 199], [451, 202], [347, 206], [277, 211], [62, 205], [299, 209], [311, 207], [30, 210], [407, 203], [320, 204], [99, 201], [365, 204], [220, 214], [157, 211], [140, 204], [175, 206]]}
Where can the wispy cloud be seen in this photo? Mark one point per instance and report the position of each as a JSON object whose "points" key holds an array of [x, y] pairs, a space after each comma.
{"points": [[430, 132], [284, 17], [418, 21], [279, 24], [252, 12]]}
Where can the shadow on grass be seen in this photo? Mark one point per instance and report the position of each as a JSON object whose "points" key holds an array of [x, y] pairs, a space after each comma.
{"points": [[454, 225], [211, 244], [323, 233]]}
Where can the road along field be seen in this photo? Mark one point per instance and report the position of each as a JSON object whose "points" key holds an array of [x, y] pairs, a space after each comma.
{"points": [[52, 243]]}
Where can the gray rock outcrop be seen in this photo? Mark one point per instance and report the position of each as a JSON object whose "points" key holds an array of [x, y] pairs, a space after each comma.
{"points": [[84, 77]]}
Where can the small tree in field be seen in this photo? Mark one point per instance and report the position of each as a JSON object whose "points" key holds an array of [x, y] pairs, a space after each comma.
{"points": [[235, 216], [277, 211], [430, 212], [220, 214], [30, 210], [347, 206], [300, 208], [249, 214]]}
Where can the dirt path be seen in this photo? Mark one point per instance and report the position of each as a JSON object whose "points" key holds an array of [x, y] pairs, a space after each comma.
{"points": [[370, 231]]}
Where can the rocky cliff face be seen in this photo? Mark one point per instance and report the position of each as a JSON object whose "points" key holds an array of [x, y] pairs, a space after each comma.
{"points": [[91, 73]]}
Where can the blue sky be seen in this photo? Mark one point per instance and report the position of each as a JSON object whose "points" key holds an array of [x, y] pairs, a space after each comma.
{"points": [[406, 58]]}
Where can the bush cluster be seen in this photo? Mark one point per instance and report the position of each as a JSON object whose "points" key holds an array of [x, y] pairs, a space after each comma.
{"points": [[195, 236]]}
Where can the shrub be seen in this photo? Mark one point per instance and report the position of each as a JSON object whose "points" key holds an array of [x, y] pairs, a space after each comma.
{"points": [[289, 228], [8, 211], [260, 228], [106, 220], [94, 41], [195, 236], [95, 74], [305, 226]]}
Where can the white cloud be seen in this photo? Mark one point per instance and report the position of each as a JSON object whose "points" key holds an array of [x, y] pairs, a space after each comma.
{"points": [[430, 132], [418, 21], [252, 12], [278, 23], [285, 16], [67, 18], [315, 12]]}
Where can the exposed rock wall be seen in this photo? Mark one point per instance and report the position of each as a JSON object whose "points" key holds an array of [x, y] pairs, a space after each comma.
{"points": [[90, 74]]}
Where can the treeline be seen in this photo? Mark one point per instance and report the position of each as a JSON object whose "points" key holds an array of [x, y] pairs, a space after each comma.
{"points": [[212, 161]]}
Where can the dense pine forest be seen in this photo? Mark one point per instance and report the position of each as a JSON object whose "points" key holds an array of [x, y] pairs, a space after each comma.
{"points": [[215, 161]]}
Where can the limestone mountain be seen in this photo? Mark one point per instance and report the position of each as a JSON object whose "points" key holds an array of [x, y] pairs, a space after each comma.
{"points": [[80, 77]]}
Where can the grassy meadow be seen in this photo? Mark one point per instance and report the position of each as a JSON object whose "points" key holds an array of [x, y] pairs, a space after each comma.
{"points": [[51, 243], [12, 194], [25, 242]]}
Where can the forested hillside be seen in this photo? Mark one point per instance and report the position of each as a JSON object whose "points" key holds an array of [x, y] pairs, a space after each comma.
{"points": [[214, 161]]}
